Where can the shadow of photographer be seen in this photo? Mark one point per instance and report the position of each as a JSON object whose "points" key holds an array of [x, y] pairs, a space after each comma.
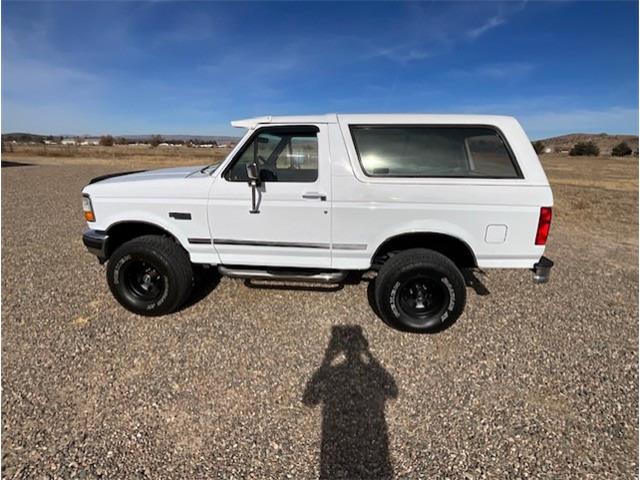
{"points": [[353, 388]]}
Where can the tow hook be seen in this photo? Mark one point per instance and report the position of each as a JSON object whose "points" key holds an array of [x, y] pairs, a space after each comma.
{"points": [[542, 270]]}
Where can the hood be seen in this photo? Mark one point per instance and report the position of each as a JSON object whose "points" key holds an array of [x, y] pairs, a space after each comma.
{"points": [[179, 182], [159, 174]]}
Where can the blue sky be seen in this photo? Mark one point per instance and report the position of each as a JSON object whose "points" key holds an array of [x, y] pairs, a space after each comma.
{"points": [[191, 68]]}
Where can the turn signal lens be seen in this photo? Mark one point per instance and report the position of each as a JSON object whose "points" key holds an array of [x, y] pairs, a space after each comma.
{"points": [[88, 209], [544, 224]]}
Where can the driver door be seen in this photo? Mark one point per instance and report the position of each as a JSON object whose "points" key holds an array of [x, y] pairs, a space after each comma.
{"points": [[292, 225]]}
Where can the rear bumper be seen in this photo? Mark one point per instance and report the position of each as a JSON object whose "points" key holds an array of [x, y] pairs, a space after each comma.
{"points": [[96, 243], [542, 270]]}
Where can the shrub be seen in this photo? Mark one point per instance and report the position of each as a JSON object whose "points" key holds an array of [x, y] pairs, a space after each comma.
{"points": [[585, 149], [538, 146], [106, 141], [155, 140], [621, 150]]}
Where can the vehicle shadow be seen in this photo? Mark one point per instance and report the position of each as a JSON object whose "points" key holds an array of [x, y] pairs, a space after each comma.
{"points": [[205, 281], [355, 278], [208, 279], [472, 281], [274, 285], [352, 387], [10, 163]]}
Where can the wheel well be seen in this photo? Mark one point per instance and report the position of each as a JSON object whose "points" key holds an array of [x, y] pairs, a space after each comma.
{"points": [[125, 231], [452, 247]]}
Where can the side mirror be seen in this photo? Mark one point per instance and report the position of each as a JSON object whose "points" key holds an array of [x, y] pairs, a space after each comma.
{"points": [[252, 173]]}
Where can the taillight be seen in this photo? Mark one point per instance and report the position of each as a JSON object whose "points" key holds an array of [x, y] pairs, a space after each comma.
{"points": [[544, 224]]}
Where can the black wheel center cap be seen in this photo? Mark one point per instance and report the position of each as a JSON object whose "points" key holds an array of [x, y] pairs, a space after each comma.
{"points": [[422, 297], [143, 280], [147, 281]]}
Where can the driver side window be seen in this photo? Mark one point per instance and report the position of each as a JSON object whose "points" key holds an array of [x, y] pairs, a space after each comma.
{"points": [[282, 154]]}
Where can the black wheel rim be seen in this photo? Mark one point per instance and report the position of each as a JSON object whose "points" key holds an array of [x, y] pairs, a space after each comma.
{"points": [[422, 297], [143, 280]]}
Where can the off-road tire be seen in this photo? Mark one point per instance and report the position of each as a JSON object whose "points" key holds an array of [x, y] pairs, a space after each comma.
{"points": [[170, 265], [439, 281]]}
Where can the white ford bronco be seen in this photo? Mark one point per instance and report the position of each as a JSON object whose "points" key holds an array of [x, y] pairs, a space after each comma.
{"points": [[417, 198]]}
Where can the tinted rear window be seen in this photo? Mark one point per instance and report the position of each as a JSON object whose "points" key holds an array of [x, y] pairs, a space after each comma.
{"points": [[397, 151]]}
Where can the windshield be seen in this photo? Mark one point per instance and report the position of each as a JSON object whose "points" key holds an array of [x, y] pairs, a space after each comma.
{"points": [[210, 169]]}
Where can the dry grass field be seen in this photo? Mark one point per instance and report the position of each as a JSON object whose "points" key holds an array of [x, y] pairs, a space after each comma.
{"points": [[121, 155], [533, 381], [596, 195]]}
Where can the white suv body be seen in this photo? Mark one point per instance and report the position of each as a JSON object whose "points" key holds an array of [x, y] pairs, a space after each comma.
{"points": [[334, 190]]}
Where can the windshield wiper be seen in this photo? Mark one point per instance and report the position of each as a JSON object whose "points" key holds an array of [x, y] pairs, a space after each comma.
{"points": [[213, 165]]}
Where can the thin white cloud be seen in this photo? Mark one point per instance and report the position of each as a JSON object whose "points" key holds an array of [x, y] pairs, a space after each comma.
{"points": [[428, 32], [255, 68], [490, 24], [496, 71], [505, 10], [190, 29], [502, 70], [401, 54]]}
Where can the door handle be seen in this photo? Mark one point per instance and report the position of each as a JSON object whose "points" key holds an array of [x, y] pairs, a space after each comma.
{"points": [[314, 196]]}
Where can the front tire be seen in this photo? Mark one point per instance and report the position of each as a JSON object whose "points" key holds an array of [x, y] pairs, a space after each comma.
{"points": [[420, 290], [150, 275]]}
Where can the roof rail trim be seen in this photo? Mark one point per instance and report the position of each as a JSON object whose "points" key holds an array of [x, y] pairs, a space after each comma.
{"points": [[250, 122]]}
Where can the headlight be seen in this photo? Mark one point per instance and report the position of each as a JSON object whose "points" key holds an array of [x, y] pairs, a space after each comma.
{"points": [[89, 216]]}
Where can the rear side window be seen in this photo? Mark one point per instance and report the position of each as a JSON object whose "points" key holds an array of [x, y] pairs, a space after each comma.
{"points": [[417, 151]]}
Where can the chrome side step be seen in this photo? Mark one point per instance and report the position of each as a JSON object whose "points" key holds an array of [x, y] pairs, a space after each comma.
{"points": [[283, 275]]}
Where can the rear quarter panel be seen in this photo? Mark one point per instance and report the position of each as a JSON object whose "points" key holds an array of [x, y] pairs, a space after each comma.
{"points": [[369, 210]]}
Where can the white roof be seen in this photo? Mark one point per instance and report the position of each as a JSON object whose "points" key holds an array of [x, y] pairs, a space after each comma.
{"points": [[373, 118]]}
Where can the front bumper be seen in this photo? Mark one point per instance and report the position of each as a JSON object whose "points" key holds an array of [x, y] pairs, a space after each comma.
{"points": [[96, 243], [542, 270]]}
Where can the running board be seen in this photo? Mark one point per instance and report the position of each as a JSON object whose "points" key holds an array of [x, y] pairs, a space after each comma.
{"points": [[283, 276]]}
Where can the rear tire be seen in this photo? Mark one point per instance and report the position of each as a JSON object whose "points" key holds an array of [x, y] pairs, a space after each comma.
{"points": [[420, 290], [150, 275]]}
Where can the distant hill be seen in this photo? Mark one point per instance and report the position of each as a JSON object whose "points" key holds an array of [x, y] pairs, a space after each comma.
{"points": [[604, 141], [32, 137], [23, 137], [220, 139]]}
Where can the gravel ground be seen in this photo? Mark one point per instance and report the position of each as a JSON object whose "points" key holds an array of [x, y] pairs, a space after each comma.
{"points": [[532, 381]]}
